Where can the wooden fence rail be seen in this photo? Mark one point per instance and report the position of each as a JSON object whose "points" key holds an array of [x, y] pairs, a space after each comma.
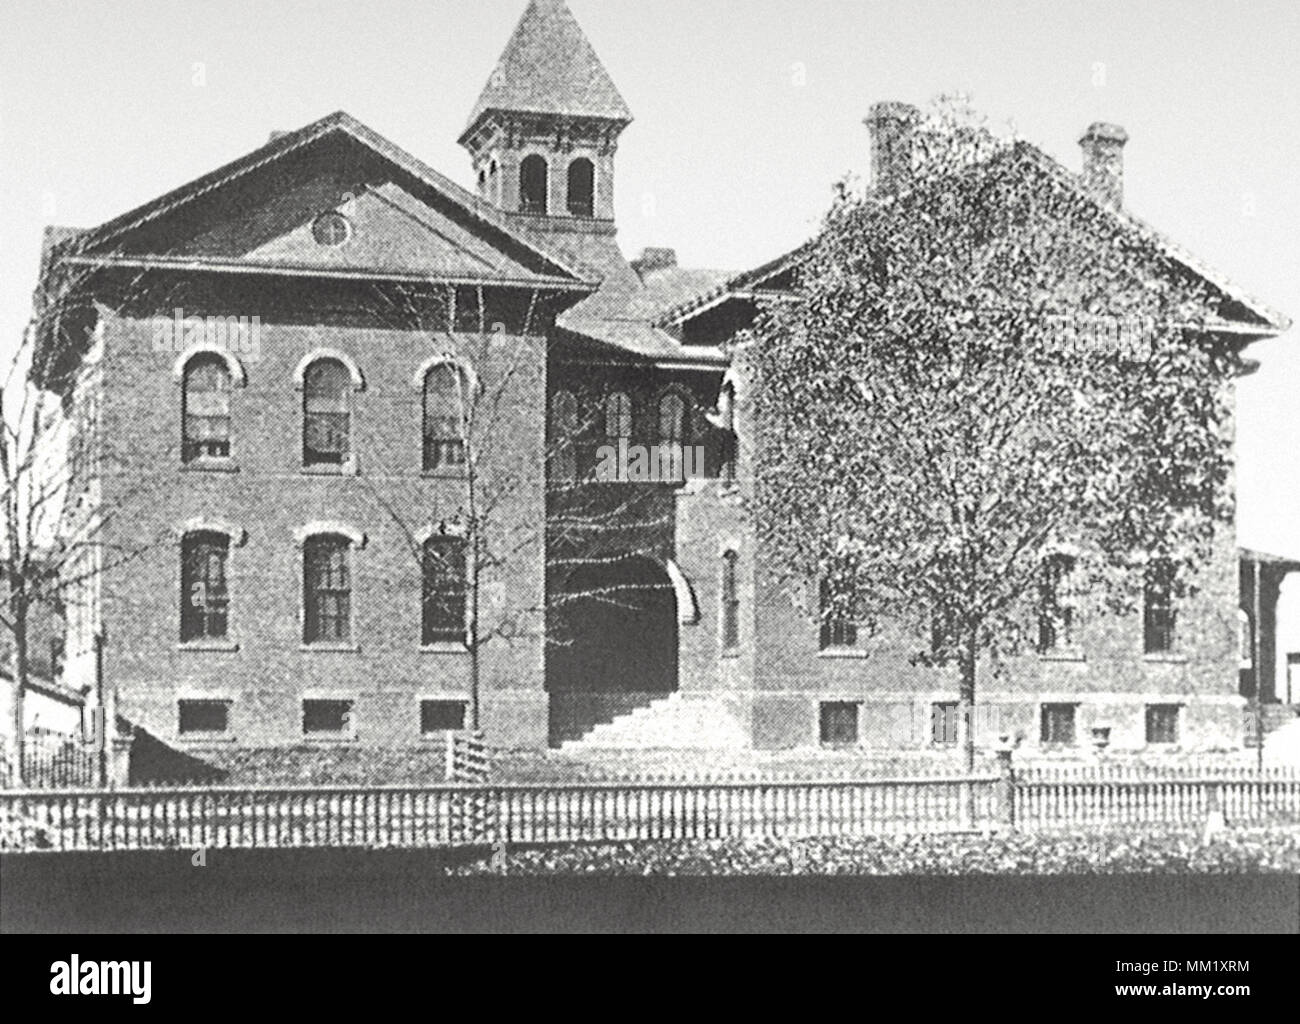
{"points": [[477, 814]]}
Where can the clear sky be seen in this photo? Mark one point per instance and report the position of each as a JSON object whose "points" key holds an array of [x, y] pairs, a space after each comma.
{"points": [[746, 112]]}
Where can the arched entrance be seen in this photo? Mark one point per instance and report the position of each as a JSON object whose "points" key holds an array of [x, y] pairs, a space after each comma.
{"points": [[612, 644]]}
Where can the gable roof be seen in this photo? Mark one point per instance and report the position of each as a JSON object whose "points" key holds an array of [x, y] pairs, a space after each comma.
{"points": [[764, 279], [1254, 319], [550, 67], [465, 214], [1269, 320]]}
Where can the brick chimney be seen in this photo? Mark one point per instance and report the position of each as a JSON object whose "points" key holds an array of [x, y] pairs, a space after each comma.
{"points": [[654, 259], [891, 126], [1103, 162]]}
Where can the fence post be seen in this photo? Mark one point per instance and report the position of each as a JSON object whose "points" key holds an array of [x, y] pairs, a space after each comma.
{"points": [[1006, 787]]}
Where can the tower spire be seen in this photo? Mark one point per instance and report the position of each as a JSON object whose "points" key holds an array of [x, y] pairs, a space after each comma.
{"points": [[549, 67], [544, 130]]}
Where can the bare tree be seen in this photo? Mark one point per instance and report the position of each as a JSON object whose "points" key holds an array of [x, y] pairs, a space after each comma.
{"points": [[578, 519], [55, 541]]}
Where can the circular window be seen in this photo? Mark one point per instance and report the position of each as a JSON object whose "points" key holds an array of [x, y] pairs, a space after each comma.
{"points": [[331, 228]]}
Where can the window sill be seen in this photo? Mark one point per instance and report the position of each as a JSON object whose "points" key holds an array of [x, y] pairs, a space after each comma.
{"points": [[200, 740], [849, 745], [1064, 655], [1165, 659], [445, 647], [348, 468], [331, 648], [449, 473], [730, 653], [201, 646], [210, 465], [438, 738], [849, 653], [327, 740]]}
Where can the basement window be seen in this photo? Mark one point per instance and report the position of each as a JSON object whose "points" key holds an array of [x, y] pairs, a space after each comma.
{"points": [[943, 724], [839, 724], [1058, 724], [327, 718], [1162, 723], [437, 716], [203, 717]]}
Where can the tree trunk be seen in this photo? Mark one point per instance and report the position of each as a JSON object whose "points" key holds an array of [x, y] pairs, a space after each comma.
{"points": [[20, 689], [969, 660]]}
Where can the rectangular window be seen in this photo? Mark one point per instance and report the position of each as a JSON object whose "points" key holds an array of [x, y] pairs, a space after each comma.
{"points": [[327, 590], [1162, 723], [1056, 612], [1159, 615], [203, 717], [839, 723], [444, 592], [730, 602], [943, 723], [838, 630], [441, 716], [1058, 723], [327, 718], [469, 315], [205, 601]]}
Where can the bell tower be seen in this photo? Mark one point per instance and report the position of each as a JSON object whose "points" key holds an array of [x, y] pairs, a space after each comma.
{"points": [[545, 129]]}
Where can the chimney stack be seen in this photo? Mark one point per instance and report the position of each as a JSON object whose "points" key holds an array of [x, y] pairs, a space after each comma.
{"points": [[654, 259], [1103, 162], [891, 126]]}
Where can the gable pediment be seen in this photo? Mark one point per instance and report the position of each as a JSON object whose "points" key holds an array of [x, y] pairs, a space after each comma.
{"points": [[402, 219]]}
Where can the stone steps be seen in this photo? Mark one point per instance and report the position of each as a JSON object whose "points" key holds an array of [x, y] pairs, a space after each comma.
{"points": [[675, 722]]}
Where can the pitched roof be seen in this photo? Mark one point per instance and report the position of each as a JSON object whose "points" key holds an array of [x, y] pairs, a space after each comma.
{"points": [[544, 264], [1252, 317], [1270, 321], [550, 67]]}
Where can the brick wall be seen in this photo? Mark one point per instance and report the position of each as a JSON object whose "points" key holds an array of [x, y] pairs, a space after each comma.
{"points": [[269, 496]]}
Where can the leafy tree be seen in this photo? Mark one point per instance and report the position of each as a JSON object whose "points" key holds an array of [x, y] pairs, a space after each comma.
{"points": [[980, 364]]}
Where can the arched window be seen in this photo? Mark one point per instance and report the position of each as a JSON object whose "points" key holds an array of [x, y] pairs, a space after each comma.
{"points": [[618, 417], [582, 187], [1160, 614], [672, 436], [564, 431], [730, 601], [327, 413], [204, 598], [445, 586], [445, 414], [838, 629], [1057, 618], [205, 401], [532, 184], [730, 445], [327, 589]]}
